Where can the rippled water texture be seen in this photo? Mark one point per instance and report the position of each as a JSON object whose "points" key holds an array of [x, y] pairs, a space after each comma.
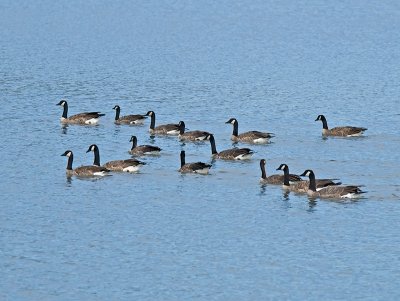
{"points": [[160, 235]]}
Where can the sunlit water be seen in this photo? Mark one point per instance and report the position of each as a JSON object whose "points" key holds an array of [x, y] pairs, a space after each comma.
{"points": [[160, 235]]}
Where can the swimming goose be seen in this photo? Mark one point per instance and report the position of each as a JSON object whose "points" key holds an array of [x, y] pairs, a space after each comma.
{"points": [[81, 118], [165, 129], [83, 171], [139, 150], [302, 186], [341, 131], [250, 137], [128, 165], [128, 119], [330, 191], [229, 154], [197, 167], [191, 135], [275, 179]]}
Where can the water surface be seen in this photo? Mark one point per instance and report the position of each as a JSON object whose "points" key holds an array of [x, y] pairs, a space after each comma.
{"points": [[159, 235]]}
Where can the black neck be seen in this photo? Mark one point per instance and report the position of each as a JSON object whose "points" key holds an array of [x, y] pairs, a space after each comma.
{"points": [[213, 147], [65, 111], [324, 123], [313, 185], [134, 143], [263, 173], [182, 159], [96, 157], [235, 128], [70, 160], [181, 128], [286, 176], [117, 111], [153, 121]]}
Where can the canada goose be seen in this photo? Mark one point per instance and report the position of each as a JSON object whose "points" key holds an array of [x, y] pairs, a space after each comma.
{"points": [[229, 154], [250, 137], [197, 167], [128, 119], [128, 165], [83, 171], [330, 191], [342, 131], [275, 179], [139, 150], [302, 186], [81, 118], [191, 135], [165, 129]]}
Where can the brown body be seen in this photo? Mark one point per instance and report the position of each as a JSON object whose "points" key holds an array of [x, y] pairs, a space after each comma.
{"points": [[86, 118], [255, 137], [341, 131], [139, 150], [165, 129]]}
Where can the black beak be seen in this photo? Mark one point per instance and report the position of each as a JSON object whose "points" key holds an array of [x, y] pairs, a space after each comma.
{"points": [[88, 150], [63, 155], [303, 174], [316, 119]]}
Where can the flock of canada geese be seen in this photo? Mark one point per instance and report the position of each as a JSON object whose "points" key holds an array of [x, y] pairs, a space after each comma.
{"points": [[323, 188]]}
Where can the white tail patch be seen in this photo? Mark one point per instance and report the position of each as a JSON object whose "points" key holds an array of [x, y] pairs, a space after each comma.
{"points": [[260, 140], [131, 169], [243, 157], [173, 132], [100, 173], [138, 121], [152, 153], [203, 171], [349, 196], [356, 135], [92, 121], [202, 138]]}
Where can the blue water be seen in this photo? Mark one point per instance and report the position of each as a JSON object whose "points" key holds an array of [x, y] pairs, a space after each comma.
{"points": [[158, 235]]}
